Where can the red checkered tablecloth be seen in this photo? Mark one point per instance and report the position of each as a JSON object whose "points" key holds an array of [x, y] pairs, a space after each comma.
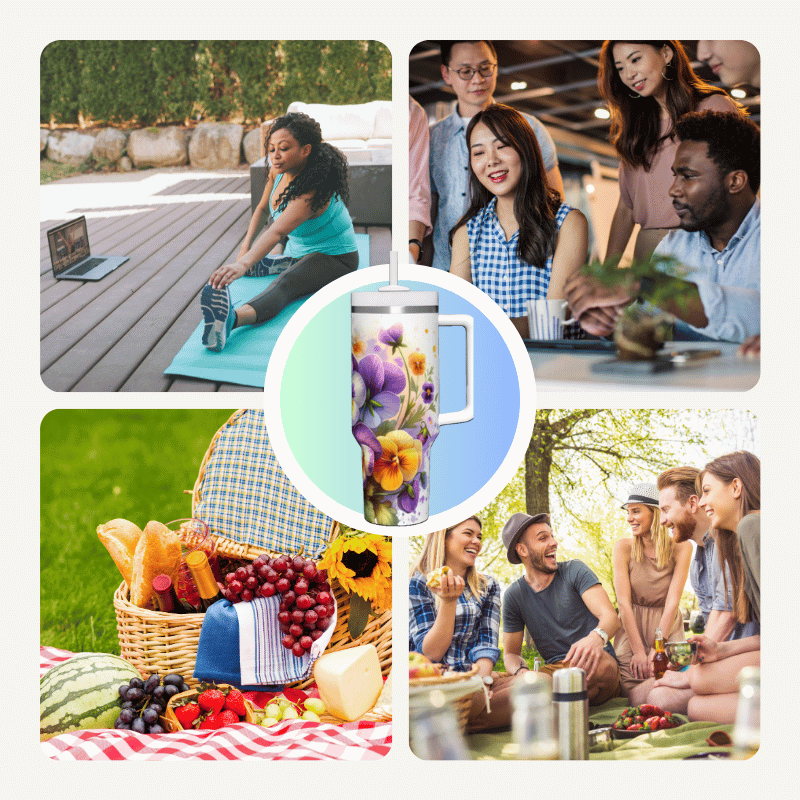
{"points": [[295, 740]]}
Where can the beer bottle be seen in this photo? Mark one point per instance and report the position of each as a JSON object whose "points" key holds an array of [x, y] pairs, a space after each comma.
{"points": [[203, 578], [660, 660]]}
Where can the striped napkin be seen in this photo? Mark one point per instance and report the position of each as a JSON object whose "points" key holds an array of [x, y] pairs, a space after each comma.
{"points": [[263, 660]]}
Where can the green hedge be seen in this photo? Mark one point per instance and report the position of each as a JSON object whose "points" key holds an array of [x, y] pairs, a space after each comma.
{"points": [[148, 82]]}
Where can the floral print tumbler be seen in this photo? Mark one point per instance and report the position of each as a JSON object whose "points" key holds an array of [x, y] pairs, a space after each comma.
{"points": [[395, 394]]}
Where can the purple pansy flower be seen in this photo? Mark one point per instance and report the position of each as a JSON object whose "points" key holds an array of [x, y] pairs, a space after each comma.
{"points": [[393, 336], [427, 392], [408, 499], [383, 384], [370, 447]]}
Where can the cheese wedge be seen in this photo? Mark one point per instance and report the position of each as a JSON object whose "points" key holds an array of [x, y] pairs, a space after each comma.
{"points": [[349, 681]]}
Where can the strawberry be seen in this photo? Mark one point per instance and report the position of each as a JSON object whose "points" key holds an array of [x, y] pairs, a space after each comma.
{"points": [[648, 710], [228, 717], [187, 714], [211, 700], [652, 722], [212, 721], [234, 701], [667, 722]]}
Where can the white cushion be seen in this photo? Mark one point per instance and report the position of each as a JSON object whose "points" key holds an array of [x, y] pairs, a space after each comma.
{"points": [[340, 122]]}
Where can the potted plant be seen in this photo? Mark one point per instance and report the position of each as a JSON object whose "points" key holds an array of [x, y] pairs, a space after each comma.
{"points": [[643, 327]]}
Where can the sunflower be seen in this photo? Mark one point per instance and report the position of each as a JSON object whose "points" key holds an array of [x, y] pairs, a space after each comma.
{"points": [[362, 563]]}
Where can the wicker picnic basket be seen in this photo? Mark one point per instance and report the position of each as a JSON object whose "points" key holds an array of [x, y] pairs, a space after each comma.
{"points": [[419, 688], [155, 642]]}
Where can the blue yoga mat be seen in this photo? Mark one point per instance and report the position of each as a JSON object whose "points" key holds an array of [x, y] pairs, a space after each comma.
{"points": [[247, 352]]}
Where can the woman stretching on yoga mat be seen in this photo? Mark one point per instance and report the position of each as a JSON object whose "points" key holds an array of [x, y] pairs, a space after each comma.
{"points": [[306, 193]]}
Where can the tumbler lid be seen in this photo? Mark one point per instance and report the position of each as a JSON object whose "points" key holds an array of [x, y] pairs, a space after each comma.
{"points": [[394, 298]]}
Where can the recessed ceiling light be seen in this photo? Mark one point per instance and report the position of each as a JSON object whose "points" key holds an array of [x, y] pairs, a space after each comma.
{"points": [[602, 113], [518, 85], [740, 93]]}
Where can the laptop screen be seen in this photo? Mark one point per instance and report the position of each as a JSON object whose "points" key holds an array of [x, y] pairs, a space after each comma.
{"points": [[69, 244]]}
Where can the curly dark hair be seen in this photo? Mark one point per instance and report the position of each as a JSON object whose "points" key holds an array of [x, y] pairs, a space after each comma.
{"points": [[535, 202], [733, 141], [636, 121], [325, 171]]}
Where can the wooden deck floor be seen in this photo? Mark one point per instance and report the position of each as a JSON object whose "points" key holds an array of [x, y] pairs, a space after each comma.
{"points": [[122, 332]]}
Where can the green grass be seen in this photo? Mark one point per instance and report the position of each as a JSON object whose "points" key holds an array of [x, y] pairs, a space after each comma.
{"points": [[528, 654], [96, 466], [50, 171]]}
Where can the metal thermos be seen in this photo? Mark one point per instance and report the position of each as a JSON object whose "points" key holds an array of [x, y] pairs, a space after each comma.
{"points": [[571, 704]]}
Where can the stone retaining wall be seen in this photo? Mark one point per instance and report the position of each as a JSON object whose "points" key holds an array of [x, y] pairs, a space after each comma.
{"points": [[211, 145]]}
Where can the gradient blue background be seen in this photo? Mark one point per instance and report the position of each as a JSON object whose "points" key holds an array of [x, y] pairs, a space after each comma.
{"points": [[316, 397]]}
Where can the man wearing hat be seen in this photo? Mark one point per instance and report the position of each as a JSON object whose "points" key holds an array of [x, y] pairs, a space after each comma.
{"points": [[562, 604]]}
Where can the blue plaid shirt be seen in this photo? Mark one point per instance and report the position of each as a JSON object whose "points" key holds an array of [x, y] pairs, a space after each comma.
{"points": [[497, 269], [477, 627]]}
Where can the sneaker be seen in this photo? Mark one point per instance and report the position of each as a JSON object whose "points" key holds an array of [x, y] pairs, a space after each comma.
{"points": [[218, 316], [269, 266]]}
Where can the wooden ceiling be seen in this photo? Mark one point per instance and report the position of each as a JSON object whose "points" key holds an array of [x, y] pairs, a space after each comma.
{"points": [[561, 78]]}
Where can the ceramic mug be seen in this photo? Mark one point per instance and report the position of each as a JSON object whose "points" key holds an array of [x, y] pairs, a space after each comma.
{"points": [[395, 397]]}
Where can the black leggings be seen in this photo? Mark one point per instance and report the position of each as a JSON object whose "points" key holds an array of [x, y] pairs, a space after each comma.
{"points": [[305, 276]]}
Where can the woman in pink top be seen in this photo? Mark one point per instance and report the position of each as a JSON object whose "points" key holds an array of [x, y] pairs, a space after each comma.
{"points": [[648, 86]]}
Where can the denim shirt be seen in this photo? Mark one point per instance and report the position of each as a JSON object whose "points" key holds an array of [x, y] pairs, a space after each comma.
{"points": [[700, 574], [449, 158], [729, 281]]}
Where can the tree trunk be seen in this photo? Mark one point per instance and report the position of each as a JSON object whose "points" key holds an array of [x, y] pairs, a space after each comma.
{"points": [[538, 460]]}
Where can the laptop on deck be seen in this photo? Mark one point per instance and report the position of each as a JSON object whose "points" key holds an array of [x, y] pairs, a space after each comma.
{"points": [[70, 255]]}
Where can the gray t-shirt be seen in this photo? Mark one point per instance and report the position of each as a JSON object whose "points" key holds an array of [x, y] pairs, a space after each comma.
{"points": [[556, 617]]}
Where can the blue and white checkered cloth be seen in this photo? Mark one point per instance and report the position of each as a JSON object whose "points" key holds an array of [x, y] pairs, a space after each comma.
{"points": [[246, 497], [497, 269]]}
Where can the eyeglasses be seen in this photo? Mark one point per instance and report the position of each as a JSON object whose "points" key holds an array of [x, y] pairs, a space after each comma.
{"points": [[466, 73]]}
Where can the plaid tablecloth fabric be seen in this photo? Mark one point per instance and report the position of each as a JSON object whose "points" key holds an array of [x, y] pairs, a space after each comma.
{"points": [[247, 497], [295, 740]]}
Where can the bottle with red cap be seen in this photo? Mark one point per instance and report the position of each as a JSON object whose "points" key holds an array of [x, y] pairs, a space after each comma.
{"points": [[166, 597]]}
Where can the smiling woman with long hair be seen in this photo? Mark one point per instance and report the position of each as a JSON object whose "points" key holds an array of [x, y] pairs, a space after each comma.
{"points": [[730, 492], [454, 616], [649, 86], [650, 573], [517, 240]]}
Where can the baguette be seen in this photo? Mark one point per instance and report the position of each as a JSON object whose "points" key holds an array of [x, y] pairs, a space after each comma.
{"points": [[120, 538], [158, 552]]}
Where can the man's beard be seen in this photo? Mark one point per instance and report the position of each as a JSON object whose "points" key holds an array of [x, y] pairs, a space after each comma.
{"points": [[539, 563], [684, 530]]}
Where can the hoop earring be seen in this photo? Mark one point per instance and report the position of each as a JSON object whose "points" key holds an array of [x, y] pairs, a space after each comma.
{"points": [[664, 70]]}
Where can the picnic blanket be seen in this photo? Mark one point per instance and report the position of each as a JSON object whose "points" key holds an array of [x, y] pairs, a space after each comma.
{"points": [[247, 352], [676, 743], [295, 740]]}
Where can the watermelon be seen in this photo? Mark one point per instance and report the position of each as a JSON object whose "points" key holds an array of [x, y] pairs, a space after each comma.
{"points": [[82, 693]]}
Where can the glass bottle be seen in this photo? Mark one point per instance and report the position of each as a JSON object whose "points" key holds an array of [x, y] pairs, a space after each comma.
{"points": [[166, 597], [532, 722], [203, 577], [660, 660], [747, 730], [435, 733]]}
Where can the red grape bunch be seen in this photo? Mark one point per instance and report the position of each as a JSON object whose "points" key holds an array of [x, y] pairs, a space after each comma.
{"points": [[307, 604]]}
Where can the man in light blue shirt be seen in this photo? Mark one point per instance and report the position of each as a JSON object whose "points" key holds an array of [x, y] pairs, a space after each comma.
{"points": [[717, 175], [470, 68]]}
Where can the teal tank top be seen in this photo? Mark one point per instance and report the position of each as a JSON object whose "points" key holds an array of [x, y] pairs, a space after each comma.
{"points": [[331, 232]]}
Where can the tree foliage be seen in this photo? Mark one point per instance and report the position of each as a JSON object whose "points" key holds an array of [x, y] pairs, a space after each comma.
{"points": [[150, 82]]}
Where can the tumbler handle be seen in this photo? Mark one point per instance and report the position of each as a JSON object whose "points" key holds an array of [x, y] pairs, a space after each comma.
{"points": [[466, 413]]}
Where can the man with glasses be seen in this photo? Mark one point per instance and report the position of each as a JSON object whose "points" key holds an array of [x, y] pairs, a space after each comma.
{"points": [[471, 69]]}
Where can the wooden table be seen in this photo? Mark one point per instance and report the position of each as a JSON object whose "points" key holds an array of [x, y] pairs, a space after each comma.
{"points": [[557, 370], [176, 226]]}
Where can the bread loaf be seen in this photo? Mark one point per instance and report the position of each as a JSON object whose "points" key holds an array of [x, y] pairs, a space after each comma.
{"points": [[120, 538], [158, 552]]}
